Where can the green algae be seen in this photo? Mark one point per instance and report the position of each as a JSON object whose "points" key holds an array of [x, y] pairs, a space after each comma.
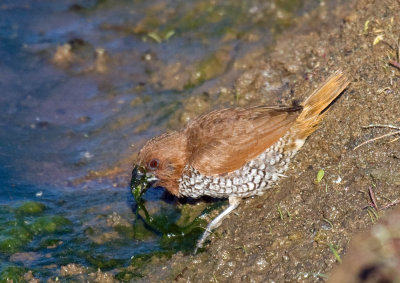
{"points": [[49, 243], [11, 245], [142, 260], [138, 232], [13, 274], [211, 66], [125, 231], [208, 68], [127, 276], [174, 236], [177, 233], [20, 232], [30, 208], [103, 262], [51, 224], [139, 263], [207, 18], [22, 226]]}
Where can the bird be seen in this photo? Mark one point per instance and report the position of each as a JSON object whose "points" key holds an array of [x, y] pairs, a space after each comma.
{"points": [[233, 153]]}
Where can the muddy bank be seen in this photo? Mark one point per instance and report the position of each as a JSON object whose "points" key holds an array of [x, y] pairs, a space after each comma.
{"points": [[299, 230]]}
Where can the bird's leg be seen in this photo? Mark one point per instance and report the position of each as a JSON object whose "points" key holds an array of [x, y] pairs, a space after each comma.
{"points": [[233, 204]]}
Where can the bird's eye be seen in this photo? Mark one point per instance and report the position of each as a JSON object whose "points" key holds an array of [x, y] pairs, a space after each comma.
{"points": [[153, 164]]}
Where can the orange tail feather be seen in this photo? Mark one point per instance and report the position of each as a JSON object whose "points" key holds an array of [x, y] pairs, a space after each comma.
{"points": [[317, 102]]}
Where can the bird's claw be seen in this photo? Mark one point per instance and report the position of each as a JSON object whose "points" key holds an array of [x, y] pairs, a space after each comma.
{"points": [[233, 204], [201, 241]]}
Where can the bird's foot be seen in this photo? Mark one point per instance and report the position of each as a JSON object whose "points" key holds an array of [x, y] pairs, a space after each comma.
{"points": [[233, 204], [201, 241]]}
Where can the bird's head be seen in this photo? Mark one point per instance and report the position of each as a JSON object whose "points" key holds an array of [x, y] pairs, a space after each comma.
{"points": [[160, 163]]}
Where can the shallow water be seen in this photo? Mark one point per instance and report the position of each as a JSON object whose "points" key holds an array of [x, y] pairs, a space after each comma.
{"points": [[83, 85]]}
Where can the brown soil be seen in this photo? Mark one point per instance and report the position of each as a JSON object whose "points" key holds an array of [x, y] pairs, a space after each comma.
{"points": [[257, 244]]}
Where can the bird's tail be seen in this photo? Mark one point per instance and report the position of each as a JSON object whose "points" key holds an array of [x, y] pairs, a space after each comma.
{"points": [[317, 102]]}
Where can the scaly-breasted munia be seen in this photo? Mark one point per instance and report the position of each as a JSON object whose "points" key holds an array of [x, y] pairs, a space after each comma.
{"points": [[233, 153]]}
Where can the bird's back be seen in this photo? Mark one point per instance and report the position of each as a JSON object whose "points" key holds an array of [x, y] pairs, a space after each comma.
{"points": [[225, 140]]}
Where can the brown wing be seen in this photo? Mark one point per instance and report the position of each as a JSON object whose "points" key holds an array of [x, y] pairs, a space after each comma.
{"points": [[224, 140]]}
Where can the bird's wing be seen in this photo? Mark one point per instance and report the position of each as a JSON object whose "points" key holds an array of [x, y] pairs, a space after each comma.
{"points": [[224, 140]]}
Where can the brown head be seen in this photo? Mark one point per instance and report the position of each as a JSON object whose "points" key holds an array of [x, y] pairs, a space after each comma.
{"points": [[162, 160]]}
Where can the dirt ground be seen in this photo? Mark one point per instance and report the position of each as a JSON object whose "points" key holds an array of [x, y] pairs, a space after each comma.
{"points": [[300, 230]]}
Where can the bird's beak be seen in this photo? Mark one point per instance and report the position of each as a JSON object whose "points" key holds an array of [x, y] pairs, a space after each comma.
{"points": [[141, 181]]}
